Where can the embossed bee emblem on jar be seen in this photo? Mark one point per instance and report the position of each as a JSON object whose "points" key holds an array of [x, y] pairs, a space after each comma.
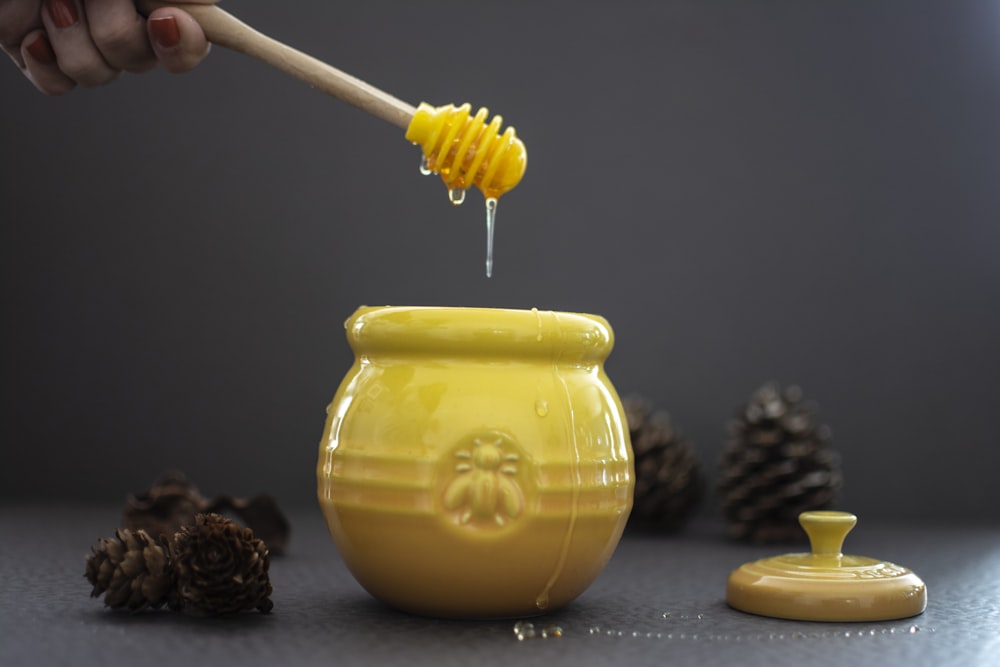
{"points": [[475, 462], [485, 487]]}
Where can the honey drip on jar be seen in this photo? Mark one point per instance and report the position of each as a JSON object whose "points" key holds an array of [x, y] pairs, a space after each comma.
{"points": [[542, 600]]}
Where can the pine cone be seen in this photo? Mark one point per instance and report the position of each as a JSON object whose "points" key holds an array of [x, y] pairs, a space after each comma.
{"points": [[668, 479], [220, 567], [172, 502], [169, 504], [131, 570], [260, 514], [776, 464]]}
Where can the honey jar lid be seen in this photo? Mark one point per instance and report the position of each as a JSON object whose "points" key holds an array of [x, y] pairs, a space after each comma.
{"points": [[826, 585]]}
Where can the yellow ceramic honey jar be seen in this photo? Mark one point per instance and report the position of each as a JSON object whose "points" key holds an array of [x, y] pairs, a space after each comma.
{"points": [[476, 462]]}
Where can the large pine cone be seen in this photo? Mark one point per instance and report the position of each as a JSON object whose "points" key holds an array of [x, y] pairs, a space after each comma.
{"points": [[776, 465], [668, 479], [170, 503], [220, 568], [173, 502], [131, 570]]}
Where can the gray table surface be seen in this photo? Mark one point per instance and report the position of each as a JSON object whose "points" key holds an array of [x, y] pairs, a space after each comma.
{"points": [[660, 601]]}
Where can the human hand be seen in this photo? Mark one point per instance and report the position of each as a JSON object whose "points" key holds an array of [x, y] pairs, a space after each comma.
{"points": [[59, 44]]}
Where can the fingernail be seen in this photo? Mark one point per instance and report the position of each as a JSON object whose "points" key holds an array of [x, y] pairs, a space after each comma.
{"points": [[40, 49], [63, 13], [165, 31]]}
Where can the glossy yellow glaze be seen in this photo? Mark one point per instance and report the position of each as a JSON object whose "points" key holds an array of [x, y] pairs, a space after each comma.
{"points": [[467, 151], [476, 462], [826, 585]]}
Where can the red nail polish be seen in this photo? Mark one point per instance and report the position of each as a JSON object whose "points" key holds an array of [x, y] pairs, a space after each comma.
{"points": [[63, 13], [165, 31], [40, 49]]}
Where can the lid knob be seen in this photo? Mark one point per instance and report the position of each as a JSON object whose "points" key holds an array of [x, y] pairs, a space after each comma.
{"points": [[827, 530]]}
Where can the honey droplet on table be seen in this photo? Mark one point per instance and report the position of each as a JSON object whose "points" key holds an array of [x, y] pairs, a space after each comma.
{"points": [[551, 631], [524, 630]]}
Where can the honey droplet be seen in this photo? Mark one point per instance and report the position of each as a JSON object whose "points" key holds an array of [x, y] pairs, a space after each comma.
{"points": [[456, 196], [425, 166], [541, 407], [524, 630], [491, 217]]}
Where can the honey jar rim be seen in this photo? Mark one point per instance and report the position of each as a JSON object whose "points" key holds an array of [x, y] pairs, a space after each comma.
{"points": [[480, 331]]}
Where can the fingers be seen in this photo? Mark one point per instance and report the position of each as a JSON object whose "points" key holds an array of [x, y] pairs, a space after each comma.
{"points": [[78, 56], [178, 40], [119, 33], [17, 19], [40, 65], [59, 44]]}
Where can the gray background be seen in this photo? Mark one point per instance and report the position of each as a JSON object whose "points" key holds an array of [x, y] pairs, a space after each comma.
{"points": [[748, 190]]}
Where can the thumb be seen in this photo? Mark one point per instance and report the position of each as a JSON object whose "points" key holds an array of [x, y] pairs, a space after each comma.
{"points": [[177, 39]]}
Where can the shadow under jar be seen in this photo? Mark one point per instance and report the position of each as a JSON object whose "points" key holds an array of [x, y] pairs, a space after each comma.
{"points": [[476, 462]]}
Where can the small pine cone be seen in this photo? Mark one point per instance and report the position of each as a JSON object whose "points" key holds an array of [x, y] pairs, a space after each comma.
{"points": [[776, 465], [668, 479], [220, 568], [170, 503], [131, 570]]}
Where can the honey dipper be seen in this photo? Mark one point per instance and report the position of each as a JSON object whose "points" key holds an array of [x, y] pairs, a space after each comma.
{"points": [[463, 149]]}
